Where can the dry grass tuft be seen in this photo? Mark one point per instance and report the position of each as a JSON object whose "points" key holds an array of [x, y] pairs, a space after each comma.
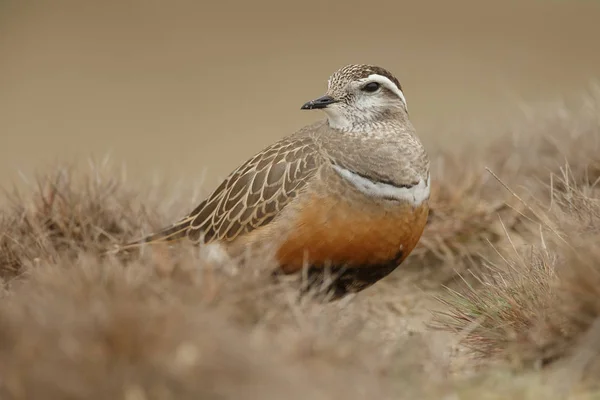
{"points": [[66, 212], [84, 329], [535, 304], [471, 209], [89, 328]]}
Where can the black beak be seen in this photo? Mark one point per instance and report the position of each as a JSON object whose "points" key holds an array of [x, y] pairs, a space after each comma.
{"points": [[321, 102]]}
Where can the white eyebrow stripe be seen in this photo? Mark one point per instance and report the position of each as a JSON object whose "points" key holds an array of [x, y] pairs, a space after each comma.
{"points": [[385, 81]]}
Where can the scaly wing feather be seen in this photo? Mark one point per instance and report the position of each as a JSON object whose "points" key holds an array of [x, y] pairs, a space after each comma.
{"points": [[250, 197]]}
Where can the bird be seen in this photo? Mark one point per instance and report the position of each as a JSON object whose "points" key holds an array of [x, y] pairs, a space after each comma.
{"points": [[343, 200]]}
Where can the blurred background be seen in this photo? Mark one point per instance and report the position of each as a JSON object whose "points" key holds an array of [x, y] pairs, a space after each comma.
{"points": [[189, 89]]}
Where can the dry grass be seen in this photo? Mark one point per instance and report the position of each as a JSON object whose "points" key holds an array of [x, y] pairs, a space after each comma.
{"points": [[517, 282], [536, 301]]}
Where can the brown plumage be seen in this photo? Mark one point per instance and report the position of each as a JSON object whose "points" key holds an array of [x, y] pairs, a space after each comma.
{"points": [[348, 193]]}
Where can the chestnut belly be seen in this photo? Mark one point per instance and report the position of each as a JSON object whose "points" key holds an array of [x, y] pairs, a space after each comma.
{"points": [[354, 245]]}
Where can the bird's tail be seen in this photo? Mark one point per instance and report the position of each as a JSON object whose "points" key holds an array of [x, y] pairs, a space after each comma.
{"points": [[175, 232]]}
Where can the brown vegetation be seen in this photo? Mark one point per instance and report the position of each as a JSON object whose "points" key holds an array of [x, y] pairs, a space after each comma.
{"points": [[513, 263]]}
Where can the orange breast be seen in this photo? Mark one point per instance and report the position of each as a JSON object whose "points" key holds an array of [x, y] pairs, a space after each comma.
{"points": [[344, 232]]}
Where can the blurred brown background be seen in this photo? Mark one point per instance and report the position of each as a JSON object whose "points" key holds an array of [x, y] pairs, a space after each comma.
{"points": [[188, 89]]}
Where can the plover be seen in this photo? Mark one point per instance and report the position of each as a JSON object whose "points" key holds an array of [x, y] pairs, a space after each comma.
{"points": [[347, 195]]}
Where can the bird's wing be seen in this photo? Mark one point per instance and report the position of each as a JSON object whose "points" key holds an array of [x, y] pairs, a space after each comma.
{"points": [[256, 192], [251, 196]]}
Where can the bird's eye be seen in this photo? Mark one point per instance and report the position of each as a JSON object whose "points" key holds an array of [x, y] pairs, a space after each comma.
{"points": [[371, 87]]}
